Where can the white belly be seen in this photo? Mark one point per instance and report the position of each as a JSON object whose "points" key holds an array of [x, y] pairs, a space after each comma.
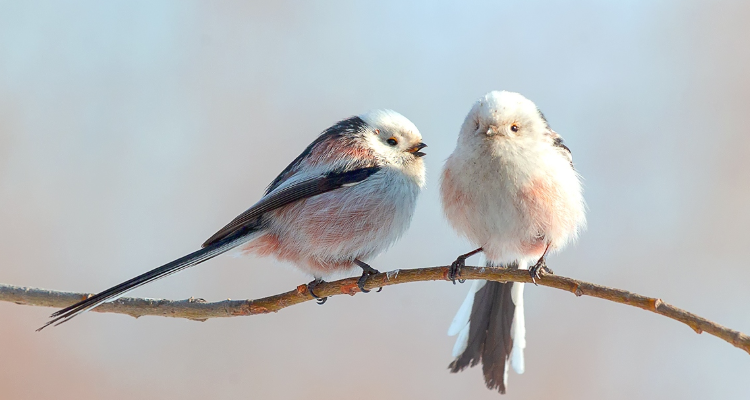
{"points": [[512, 207]]}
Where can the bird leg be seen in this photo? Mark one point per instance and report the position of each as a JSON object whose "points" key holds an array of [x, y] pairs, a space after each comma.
{"points": [[366, 272], [455, 269], [540, 267], [311, 286]]}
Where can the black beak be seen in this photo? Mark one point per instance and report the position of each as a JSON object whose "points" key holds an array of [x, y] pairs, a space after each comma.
{"points": [[415, 150]]}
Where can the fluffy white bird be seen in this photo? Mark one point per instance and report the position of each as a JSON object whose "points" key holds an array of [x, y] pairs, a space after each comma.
{"points": [[511, 189], [349, 196]]}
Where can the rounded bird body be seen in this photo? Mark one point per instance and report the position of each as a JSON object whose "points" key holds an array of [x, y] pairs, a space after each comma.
{"points": [[511, 192], [349, 196], [511, 189], [323, 235]]}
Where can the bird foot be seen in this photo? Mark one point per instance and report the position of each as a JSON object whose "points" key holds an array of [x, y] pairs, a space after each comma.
{"points": [[539, 269], [366, 272], [311, 286], [455, 270]]}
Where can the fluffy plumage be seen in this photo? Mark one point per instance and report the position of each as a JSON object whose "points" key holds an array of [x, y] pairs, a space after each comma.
{"points": [[324, 234], [511, 189], [349, 196]]}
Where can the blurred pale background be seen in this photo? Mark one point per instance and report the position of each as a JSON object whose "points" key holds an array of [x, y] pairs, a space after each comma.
{"points": [[131, 131]]}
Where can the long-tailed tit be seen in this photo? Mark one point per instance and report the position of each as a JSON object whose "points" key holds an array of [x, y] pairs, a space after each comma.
{"points": [[511, 189], [346, 198]]}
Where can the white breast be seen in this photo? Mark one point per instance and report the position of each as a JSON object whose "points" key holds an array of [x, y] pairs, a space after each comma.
{"points": [[505, 197]]}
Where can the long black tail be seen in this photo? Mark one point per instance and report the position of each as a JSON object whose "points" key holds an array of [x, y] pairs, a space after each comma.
{"points": [[192, 259], [490, 338]]}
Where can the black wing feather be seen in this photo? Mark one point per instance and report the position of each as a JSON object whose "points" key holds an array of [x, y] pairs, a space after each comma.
{"points": [[302, 190]]}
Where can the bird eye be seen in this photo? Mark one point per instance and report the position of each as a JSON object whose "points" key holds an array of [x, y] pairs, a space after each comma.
{"points": [[392, 141], [514, 128]]}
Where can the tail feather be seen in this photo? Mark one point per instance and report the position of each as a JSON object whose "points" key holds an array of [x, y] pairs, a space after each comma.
{"points": [[518, 330], [192, 259], [493, 333], [460, 324], [461, 320]]}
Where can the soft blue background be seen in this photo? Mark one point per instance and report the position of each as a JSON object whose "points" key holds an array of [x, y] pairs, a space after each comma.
{"points": [[130, 131]]}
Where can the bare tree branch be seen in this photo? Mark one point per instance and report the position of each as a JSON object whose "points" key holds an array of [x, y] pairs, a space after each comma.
{"points": [[198, 309]]}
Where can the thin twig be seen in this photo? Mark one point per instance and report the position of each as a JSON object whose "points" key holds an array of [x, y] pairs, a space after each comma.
{"points": [[200, 310]]}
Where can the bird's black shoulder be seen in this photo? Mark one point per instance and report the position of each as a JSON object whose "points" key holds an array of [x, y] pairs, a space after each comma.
{"points": [[343, 128], [558, 142]]}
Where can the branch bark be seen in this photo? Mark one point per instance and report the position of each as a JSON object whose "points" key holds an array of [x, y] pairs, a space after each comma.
{"points": [[200, 310]]}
